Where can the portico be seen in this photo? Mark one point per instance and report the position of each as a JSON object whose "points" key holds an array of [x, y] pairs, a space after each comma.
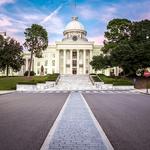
{"points": [[75, 51], [75, 61]]}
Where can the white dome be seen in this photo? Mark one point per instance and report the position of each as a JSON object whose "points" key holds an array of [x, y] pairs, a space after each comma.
{"points": [[74, 25]]}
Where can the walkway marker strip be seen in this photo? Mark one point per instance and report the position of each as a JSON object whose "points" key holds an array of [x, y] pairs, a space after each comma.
{"points": [[45, 145], [99, 128]]}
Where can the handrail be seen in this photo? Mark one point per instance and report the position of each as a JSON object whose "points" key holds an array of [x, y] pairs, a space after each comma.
{"points": [[91, 79], [57, 80]]}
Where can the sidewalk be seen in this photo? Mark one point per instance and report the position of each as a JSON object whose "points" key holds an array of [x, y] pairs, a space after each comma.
{"points": [[143, 91], [75, 128], [6, 92]]}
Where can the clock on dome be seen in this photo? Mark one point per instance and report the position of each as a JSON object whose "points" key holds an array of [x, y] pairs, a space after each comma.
{"points": [[74, 38]]}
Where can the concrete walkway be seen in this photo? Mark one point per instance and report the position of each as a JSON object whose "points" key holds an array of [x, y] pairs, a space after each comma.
{"points": [[76, 128], [143, 91], [6, 92]]}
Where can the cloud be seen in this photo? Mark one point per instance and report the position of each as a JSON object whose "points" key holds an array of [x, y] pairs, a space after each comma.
{"points": [[97, 39], [53, 23], [16, 24], [108, 13], [103, 14], [145, 15], [5, 22], [3, 2], [86, 12]]}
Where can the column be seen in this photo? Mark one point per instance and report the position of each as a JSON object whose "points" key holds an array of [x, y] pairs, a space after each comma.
{"points": [[84, 61], [90, 71], [26, 64], [64, 61], [78, 61], [71, 61]]}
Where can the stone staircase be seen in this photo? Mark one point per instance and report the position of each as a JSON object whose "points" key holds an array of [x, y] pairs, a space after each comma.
{"points": [[74, 82]]}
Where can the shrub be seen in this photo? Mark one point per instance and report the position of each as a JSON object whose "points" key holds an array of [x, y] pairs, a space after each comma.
{"points": [[32, 73]]}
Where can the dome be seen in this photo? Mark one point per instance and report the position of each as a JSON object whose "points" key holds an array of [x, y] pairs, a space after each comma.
{"points": [[74, 30], [74, 25]]}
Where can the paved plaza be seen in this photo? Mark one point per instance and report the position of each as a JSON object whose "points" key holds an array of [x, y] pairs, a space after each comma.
{"points": [[76, 129]]}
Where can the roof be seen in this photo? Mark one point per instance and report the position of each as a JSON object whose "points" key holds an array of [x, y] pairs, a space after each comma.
{"points": [[74, 25]]}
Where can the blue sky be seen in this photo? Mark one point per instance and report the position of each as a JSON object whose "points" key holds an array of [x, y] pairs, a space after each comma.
{"points": [[16, 15]]}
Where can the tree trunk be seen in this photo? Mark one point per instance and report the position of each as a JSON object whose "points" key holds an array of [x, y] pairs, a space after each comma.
{"points": [[7, 70], [30, 64]]}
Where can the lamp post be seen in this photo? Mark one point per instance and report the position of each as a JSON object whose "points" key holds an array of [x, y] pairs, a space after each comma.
{"points": [[147, 37]]}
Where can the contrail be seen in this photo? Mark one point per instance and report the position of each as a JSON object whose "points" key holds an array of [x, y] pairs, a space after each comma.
{"points": [[51, 14]]}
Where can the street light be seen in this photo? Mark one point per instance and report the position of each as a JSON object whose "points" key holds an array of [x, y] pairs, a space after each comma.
{"points": [[147, 37]]}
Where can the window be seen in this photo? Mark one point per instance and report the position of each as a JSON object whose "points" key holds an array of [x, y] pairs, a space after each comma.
{"points": [[80, 65], [53, 70], [53, 62], [46, 62], [67, 65], [74, 63], [74, 54], [53, 55], [38, 63], [45, 70], [38, 71], [80, 55]]}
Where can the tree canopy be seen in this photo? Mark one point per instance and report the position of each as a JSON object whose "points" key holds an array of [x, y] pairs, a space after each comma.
{"points": [[100, 61], [36, 40], [127, 45], [11, 54]]}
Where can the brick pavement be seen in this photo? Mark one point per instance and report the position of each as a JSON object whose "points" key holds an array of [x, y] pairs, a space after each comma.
{"points": [[76, 129]]}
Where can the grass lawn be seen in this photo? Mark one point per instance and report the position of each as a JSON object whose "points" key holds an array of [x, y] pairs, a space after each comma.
{"points": [[9, 83], [115, 80]]}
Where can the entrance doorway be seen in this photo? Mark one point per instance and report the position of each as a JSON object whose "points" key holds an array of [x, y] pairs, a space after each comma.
{"points": [[74, 70]]}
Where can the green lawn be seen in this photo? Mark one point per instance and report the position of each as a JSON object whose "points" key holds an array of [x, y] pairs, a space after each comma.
{"points": [[115, 80], [9, 83]]}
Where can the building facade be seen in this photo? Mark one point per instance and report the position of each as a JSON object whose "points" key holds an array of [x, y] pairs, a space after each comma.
{"points": [[71, 55]]}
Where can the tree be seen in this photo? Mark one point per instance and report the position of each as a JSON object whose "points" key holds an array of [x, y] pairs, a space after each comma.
{"points": [[100, 62], [11, 54], [36, 40], [127, 43], [118, 31], [133, 54]]}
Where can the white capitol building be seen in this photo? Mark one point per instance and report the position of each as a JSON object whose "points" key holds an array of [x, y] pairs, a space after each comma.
{"points": [[71, 55]]}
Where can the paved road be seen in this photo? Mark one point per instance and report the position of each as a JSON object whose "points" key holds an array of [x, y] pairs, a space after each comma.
{"points": [[25, 119], [125, 118]]}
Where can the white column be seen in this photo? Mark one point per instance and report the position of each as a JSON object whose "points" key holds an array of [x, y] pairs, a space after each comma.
{"points": [[71, 61], [90, 71], [26, 64], [77, 61], [64, 61], [84, 61]]}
